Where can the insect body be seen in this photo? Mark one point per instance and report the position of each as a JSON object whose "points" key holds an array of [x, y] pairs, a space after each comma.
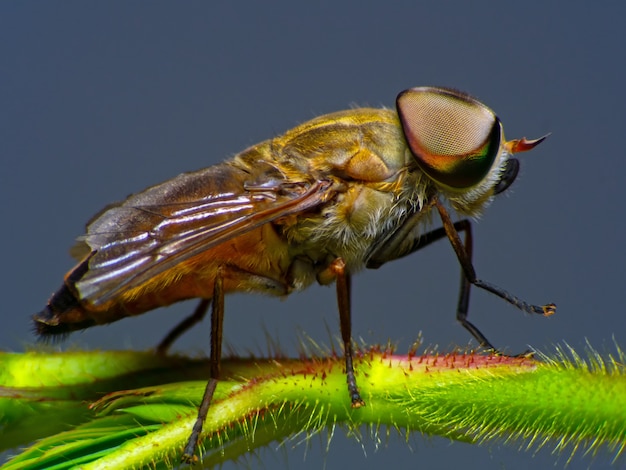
{"points": [[339, 193]]}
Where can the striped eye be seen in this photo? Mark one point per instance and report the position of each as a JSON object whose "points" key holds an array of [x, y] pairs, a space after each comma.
{"points": [[454, 138]]}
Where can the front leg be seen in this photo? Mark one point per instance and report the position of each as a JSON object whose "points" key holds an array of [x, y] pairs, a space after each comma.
{"points": [[464, 255], [400, 243]]}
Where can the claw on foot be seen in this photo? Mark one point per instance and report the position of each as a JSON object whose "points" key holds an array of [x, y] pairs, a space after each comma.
{"points": [[549, 309]]}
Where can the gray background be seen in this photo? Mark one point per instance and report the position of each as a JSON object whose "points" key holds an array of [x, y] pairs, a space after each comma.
{"points": [[98, 100]]}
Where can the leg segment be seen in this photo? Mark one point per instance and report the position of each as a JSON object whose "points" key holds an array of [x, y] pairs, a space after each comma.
{"points": [[217, 320], [338, 267], [464, 254], [464, 290], [396, 246], [196, 317]]}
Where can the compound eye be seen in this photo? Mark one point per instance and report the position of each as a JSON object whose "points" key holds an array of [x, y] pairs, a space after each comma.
{"points": [[454, 138]]}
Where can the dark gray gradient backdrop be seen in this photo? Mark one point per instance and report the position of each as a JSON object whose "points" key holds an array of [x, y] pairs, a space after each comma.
{"points": [[101, 99]]}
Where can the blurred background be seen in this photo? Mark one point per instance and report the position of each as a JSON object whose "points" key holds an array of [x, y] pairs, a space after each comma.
{"points": [[101, 99]]}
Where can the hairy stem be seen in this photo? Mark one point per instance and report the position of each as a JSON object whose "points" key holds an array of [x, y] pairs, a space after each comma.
{"points": [[146, 417]]}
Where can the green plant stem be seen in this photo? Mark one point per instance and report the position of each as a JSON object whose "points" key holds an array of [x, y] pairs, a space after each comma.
{"points": [[151, 403]]}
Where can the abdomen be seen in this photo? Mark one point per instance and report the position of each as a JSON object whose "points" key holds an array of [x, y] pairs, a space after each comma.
{"points": [[256, 261]]}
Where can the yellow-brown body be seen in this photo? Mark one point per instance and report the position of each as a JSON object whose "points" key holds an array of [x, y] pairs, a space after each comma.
{"points": [[372, 182], [273, 218], [334, 195]]}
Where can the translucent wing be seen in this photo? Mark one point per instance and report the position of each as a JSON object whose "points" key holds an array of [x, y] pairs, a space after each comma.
{"points": [[167, 224]]}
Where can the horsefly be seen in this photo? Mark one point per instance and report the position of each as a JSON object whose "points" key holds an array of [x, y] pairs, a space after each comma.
{"points": [[345, 191]]}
